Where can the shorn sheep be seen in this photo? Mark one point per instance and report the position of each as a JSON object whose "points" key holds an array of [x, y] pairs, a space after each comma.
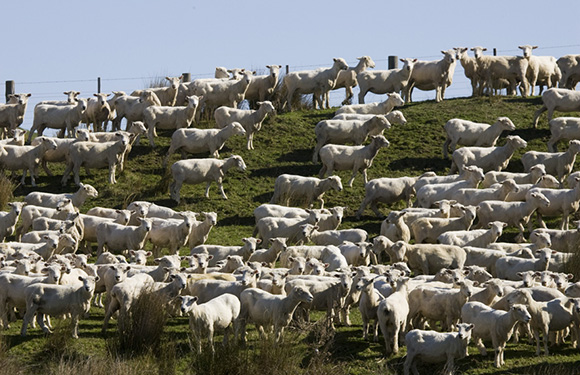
{"points": [[469, 133], [251, 120], [554, 99], [303, 189]]}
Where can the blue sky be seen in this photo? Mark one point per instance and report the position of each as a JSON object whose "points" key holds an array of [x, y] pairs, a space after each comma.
{"points": [[55, 46]]}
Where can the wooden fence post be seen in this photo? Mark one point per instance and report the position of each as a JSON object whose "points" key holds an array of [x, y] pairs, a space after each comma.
{"points": [[186, 77], [393, 62], [98, 85], [9, 89]]}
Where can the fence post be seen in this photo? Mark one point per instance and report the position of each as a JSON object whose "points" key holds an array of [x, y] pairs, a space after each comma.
{"points": [[287, 69], [9, 89], [393, 62], [98, 85], [495, 52], [186, 77]]}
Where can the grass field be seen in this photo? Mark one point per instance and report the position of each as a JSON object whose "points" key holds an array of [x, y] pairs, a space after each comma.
{"points": [[284, 145]]}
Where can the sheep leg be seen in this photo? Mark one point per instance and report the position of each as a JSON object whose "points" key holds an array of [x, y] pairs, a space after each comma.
{"points": [[112, 168], [354, 171]]}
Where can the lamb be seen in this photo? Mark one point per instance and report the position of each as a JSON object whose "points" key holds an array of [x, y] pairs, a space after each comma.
{"points": [[385, 81], [196, 171], [395, 228], [132, 107], [569, 67], [427, 259], [9, 219], [469, 133], [513, 213], [476, 238], [557, 163], [351, 157], [563, 128], [290, 228], [531, 177], [508, 267], [332, 237], [487, 158], [63, 117], [170, 233], [200, 230], [12, 114], [383, 108], [318, 82], [510, 68], [26, 158], [270, 255], [222, 252], [48, 299], [564, 202], [304, 189], [251, 120], [432, 75], [98, 112], [262, 87], [77, 198], [429, 229], [220, 312], [196, 141], [556, 99], [347, 131], [266, 309], [428, 194], [160, 117], [118, 238], [494, 325], [167, 95], [95, 155], [541, 69]]}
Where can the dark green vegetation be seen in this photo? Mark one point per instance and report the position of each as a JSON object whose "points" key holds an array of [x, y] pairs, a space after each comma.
{"points": [[284, 145]]}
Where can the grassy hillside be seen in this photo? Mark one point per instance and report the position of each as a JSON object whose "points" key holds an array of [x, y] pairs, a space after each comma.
{"points": [[284, 145]]}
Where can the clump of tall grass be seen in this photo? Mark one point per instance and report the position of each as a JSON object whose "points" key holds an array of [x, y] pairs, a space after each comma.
{"points": [[7, 188]]}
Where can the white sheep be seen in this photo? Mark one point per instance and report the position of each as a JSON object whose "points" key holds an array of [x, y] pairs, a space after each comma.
{"points": [[317, 82], [222, 252], [563, 202], [570, 68], [118, 238], [559, 164], [262, 87], [395, 228], [541, 69], [167, 94], [77, 198], [200, 230], [63, 117], [59, 154], [355, 158], [251, 120], [348, 78], [476, 237], [303, 189], [469, 65], [196, 141], [426, 258], [163, 117], [347, 131], [271, 227], [131, 107], [9, 219], [270, 255], [12, 114], [392, 313], [98, 112], [508, 267], [218, 313], [196, 171], [563, 128], [26, 158], [428, 229], [531, 177], [394, 117], [562, 240], [555, 99], [170, 233], [223, 92], [385, 81], [434, 347], [470, 196], [511, 68], [333, 237], [469, 133], [383, 108], [432, 75], [487, 158], [428, 194], [269, 210], [124, 293]]}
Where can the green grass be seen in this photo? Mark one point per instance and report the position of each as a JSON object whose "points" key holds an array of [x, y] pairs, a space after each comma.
{"points": [[284, 145]]}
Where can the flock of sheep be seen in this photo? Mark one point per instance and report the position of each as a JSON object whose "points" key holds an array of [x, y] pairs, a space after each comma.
{"points": [[497, 290]]}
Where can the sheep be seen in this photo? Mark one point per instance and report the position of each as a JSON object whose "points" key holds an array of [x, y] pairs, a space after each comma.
{"points": [[351, 157], [487, 158], [63, 117], [369, 302], [48, 299], [266, 309], [62, 148], [569, 67], [90, 223], [561, 240], [469, 65], [12, 114], [98, 112], [270, 255], [432, 75], [290, 228], [77, 198], [494, 325], [29, 213], [490, 289], [347, 131], [476, 238], [557, 99], [394, 117], [356, 254], [196, 171], [124, 293], [275, 210], [94, 155], [118, 238], [196, 141], [563, 128], [348, 78], [434, 347], [469, 133], [26, 158], [531, 177], [443, 211], [251, 120], [510, 68], [395, 228], [427, 259], [170, 233], [557, 163], [18, 138], [167, 95], [262, 87], [564, 202], [206, 289], [303, 189], [222, 252], [428, 194], [332, 237], [220, 312], [132, 107], [428, 229], [9, 219], [430, 178], [221, 74], [470, 196], [160, 117], [200, 230], [508, 267], [392, 314], [383, 108], [223, 92], [541, 69], [317, 82], [384, 81]]}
